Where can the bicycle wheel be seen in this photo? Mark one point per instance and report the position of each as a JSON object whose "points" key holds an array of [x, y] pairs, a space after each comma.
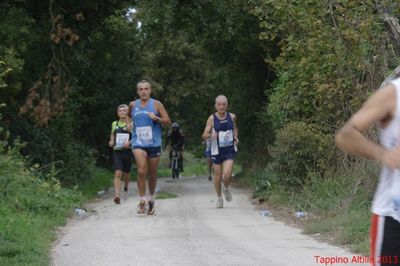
{"points": [[177, 172], [174, 167]]}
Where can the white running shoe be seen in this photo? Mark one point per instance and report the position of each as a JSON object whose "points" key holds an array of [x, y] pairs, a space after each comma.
{"points": [[227, 194], [220, 203], [141, 208]]}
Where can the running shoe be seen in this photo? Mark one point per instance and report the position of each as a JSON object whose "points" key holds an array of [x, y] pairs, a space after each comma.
{"points": [[228, 194], [141, 208], [209, 178], [220, 203], [151, 210], [125, 189], [117, 200]]}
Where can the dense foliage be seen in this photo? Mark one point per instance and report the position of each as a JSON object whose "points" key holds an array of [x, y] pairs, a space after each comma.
{"points": [[293, 72], [286, 67]]}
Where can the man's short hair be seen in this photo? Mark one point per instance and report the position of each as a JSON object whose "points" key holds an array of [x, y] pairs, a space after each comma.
{"points": [[122, 106], [143, 81]]}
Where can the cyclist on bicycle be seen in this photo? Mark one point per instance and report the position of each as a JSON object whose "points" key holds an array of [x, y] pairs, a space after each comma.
{"points": [[176, 138]]}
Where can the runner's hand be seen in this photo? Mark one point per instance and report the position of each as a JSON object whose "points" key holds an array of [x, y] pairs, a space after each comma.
{"points": [[126, 144], [111, 143], [214, 135], [391, 158], [153, 116]]}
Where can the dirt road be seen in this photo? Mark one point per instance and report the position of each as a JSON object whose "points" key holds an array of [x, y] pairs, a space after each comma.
{"points": [[188, 230]]}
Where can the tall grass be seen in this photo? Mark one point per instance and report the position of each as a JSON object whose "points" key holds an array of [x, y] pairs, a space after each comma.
{"points": [[31, 207], [100, 179], [341, 201]]}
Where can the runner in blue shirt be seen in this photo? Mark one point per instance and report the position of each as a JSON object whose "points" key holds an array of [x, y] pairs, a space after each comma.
{"points": [[148, 116]]}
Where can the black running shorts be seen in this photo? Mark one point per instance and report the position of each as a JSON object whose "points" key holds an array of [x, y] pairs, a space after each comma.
{"points": [[123, 160], [385, 241]]}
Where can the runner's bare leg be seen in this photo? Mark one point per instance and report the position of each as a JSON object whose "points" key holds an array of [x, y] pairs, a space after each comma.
{"points": [[227, 167], [153, 163], [141, 164], [217, 178]]}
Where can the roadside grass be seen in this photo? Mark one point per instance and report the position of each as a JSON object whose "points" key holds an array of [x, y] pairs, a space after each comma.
{"points": [[100, 179], [25, 239], [32, 207], [348, 228], [337, 204]]}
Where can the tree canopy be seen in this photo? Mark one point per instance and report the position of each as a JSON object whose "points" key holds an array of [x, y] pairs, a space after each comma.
{"points": [[285, 66]]}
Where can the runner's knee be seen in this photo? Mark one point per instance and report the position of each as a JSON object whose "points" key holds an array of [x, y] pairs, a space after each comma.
{"points": [[118, 173], [141, 171]]}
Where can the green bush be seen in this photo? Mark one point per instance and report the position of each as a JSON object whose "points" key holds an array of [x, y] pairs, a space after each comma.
{"points": [[264, 182], [299, 149], [31, 207], [58, 151], [24, 192]]}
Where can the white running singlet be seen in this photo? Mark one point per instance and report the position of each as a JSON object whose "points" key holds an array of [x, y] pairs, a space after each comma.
{"points": [[387, 196]]}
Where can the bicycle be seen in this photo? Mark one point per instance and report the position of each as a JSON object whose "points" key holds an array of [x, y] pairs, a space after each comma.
{"points": [[175, 162]]}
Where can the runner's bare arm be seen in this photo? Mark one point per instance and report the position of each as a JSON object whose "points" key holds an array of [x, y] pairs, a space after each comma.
{"points": [[129, 123], [130, 107], [235, 129], [163, 119], [350, 138], [112, 137], [207, 129]]}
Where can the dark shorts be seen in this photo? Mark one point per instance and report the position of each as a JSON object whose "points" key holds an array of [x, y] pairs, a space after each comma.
{"points": [[122, 160], [207, 154], [385, 240], [152, 152], [220, 158]]}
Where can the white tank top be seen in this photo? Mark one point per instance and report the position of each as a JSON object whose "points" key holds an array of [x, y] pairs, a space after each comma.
{"points": [[387, 195]]}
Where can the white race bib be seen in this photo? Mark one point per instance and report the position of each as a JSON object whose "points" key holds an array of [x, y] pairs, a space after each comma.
{"points": [[144, 135], [214, 147], [225, 138], [120, 139]]}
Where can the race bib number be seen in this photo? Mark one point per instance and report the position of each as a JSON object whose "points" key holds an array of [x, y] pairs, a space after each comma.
{"points": [[121, 139], [225, 138], [144, 135]]}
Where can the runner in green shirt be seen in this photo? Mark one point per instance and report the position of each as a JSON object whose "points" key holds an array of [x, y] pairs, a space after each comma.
{"points": [[120, 141]]}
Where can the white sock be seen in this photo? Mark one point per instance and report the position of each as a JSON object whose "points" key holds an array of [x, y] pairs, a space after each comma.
{"points": [[151, 198], [143, 198], [220, 198]]}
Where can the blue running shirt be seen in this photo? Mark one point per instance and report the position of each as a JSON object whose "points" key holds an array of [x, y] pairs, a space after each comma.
{"points": [[224, 129], [146, 133]]}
